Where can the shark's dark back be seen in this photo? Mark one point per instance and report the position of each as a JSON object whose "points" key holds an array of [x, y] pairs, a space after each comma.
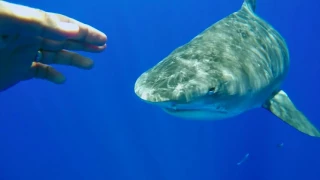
{"points": [[241, 47]]}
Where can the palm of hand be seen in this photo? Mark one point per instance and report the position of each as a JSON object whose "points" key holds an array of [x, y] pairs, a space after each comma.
{"points": [[16, 58]]}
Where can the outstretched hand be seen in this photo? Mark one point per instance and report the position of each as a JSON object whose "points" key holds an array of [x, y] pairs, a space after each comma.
{"points": [[24, 31]]}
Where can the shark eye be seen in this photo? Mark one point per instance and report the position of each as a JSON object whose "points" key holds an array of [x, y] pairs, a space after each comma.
{"points": [[211, 91]]}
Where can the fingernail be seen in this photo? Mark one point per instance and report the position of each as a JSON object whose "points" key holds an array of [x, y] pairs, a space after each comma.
{"points": [[68, 26]]}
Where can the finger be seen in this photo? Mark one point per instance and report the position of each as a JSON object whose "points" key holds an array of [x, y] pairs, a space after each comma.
{"points": [[29, 21], [74, 45], [64, 57], [46, 72], [51, 45], [87, 34]]}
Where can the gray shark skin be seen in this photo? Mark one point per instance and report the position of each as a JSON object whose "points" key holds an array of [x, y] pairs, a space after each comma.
{"points": [[235, 65]]}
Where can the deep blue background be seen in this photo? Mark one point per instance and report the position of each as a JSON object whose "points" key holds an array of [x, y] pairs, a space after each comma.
{"points": [[95, 128]]}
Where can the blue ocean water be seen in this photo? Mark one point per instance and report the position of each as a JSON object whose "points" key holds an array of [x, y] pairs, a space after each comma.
{"points": [[95, 128]]}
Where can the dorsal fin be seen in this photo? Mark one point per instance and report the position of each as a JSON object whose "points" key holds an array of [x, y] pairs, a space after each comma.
{"points": [[250, 4]]}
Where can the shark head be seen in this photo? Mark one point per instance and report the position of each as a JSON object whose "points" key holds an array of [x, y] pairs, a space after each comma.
{"points": [[187, 86]]}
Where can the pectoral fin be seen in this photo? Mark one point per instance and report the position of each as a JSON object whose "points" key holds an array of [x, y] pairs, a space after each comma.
{"points": [[281, 106]]}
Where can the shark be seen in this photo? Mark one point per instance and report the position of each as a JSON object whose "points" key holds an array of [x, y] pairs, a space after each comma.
{"points": [[237, 64]]}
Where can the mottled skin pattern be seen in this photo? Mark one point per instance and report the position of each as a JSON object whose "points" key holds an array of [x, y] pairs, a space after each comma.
{"points": [[241, 59], [282, 107]]}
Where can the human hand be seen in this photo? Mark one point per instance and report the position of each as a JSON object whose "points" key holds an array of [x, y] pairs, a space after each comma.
{"points": [[24, 31]]}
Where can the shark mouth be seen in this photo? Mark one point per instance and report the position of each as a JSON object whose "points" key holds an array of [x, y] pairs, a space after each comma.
{"points": [[175, 110], [197, 113], [171, 110]]}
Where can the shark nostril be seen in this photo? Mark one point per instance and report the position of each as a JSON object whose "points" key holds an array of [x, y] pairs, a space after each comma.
{"points": [[173, 106]]}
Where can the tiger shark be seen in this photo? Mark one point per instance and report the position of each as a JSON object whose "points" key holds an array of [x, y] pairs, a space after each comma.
{"points": [[235, 65]]}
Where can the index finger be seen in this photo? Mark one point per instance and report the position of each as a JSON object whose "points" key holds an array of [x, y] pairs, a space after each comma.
{"points": [[19, 19], [86, 34]]}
